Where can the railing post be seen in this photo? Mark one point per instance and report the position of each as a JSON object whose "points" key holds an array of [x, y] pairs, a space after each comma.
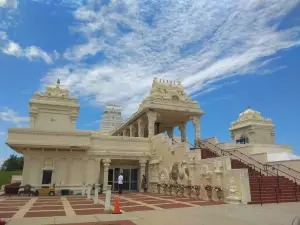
{"points": [[259, 188], [295, 188]]}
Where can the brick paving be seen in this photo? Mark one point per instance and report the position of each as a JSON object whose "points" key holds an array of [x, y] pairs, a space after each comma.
{"points": [[80, 205], [120, 222]]}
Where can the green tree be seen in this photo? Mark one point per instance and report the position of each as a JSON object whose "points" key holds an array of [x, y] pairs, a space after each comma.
{"points": [[13, 163]]}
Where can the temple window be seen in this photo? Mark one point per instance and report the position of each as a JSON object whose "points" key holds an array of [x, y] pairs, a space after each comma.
{"points": [[242, 140]]}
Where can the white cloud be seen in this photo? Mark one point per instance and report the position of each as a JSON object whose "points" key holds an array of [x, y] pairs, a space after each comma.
{"points": [[196, 41], [12, 48], [9, 4], [2, 133], [9, 115]]}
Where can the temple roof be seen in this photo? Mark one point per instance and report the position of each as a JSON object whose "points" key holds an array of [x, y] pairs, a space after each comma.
{"points": [[250, 116], [168, 92], [55, 93]]}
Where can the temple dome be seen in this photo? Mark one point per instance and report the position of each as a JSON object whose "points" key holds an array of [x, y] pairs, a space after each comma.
{"points": [[57, 90], [250, 114]]}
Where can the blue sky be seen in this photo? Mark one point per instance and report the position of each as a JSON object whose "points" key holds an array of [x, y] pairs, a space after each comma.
{"points": [[229, 54]]}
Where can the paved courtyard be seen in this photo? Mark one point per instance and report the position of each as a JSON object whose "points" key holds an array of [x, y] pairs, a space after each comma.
{"points": [[20, 207], [141, 209]]}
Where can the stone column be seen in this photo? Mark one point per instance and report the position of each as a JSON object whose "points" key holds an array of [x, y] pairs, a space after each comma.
{"points": [[107, 208], [196, 123], [142, 172], [125, 132], [68, 172], [96, 194], [89, 189], [141, 127], [26, 170], [132, 130], [152, 116], [170, 131], [97, 170], [54, 179], [86, 174], [182, 128], [106, 164]]}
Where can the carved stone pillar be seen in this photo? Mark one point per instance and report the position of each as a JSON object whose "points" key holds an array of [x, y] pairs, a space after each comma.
{"points": [[142, 172], [152, 116], [196, 123], [170, 131], [86, 170], [97, 169], [106, 164], [182, 128], [132, 130], [26, 170], [141, 127]]}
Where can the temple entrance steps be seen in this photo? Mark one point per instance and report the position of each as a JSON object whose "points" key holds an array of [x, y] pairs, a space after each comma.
{"points": [[265, 185]]}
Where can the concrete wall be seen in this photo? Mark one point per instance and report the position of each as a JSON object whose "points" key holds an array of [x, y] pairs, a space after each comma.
{"points": [[293, 170], [255, 148], [54, 121]]}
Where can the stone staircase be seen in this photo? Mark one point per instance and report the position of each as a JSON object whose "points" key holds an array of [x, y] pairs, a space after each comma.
{"points": [[265, 187]]}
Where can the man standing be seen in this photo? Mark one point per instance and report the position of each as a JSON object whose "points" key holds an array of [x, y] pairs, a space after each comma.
{"points": [[120, 183]]}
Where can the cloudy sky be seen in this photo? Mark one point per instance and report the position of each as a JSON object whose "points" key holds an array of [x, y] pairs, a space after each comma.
{"points": [[228, 54]]}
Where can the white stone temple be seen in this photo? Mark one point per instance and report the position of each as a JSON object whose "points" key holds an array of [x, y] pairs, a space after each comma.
{"points": [[55, 152]]}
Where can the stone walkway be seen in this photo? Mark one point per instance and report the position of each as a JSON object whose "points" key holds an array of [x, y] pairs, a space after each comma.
{"points": [[28, 207], [142, 209]]}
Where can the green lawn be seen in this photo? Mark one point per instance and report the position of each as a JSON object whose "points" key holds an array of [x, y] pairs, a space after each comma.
{"points": [[5, 177]]}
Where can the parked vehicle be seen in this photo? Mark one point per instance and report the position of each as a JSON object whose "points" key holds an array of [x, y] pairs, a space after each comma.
{"points": [[12, 189], [47, 191], [29, 190]]}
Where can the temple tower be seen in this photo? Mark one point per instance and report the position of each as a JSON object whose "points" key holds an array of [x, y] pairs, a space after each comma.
{"points": [[252, 128], [54, 109], [111, 118]]}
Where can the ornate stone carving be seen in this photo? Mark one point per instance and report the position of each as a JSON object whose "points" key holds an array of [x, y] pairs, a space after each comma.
{"points": [[167, 91], [192, 159], [233, 196], [180, 173], [153, 150], [205, 172], [106, 162], [143, 162], [218, 166], [163, 176]]}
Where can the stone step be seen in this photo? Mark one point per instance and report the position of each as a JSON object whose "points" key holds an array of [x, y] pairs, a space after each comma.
{"points": [[271, 201]]}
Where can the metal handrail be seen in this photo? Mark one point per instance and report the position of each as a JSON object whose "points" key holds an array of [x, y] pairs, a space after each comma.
{"points": [[266, 166], [276, 192], [289, 168], [252, 166]]}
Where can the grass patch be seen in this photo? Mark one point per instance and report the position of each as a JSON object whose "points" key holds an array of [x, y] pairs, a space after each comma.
{"points": [[5, 176]]}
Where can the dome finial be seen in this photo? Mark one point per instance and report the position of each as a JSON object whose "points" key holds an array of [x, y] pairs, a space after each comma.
{"points": [[58, 81], [249, 107]]}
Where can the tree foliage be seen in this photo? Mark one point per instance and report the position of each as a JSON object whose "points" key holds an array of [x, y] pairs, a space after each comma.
{"points": [[13, 163]]}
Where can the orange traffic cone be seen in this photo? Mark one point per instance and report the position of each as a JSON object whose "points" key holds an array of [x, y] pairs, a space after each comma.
{"points": [[117, 207]]}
